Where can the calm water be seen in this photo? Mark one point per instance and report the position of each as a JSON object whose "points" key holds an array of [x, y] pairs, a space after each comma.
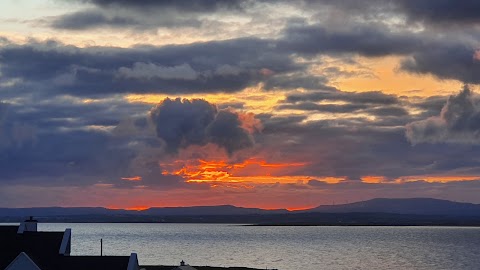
{"points": [[285, 248]]}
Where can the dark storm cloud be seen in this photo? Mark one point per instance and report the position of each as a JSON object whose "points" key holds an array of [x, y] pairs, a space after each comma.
{"points": [[144, 14], [181, 123], [364, 39], [3, 131], [294, 81], [388, 111], [79, 153], [203, 6], [3, 111], [14, 133], [227, 131], [431, 105], [62, 113], [359, 147], [446, 61], [328, 108], [351, 148], [212, 67], [44, 141], [441, 11], [371, 97], [195, 68], [380, 111], [446, 54], [444, 12], [88, 19], [458, 122], [56, 141]]}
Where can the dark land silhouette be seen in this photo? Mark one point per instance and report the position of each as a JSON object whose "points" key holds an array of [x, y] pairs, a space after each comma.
{"points": [[408, 212]]}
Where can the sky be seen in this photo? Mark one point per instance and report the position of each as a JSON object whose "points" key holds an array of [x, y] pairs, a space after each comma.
{"points": [[269, 104]]}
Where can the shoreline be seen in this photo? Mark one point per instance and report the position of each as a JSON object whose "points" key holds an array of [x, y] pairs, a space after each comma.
{"points": [[170, 267], [261, 225]]}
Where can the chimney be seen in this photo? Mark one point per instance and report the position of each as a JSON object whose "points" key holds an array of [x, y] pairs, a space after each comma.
{"points": [[30, 225]]}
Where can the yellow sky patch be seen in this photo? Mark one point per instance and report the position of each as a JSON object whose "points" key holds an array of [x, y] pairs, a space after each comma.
{"points": [[388, 78]]}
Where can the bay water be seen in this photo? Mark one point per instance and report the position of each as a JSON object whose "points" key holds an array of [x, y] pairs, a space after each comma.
{"points": [[282, 247]]}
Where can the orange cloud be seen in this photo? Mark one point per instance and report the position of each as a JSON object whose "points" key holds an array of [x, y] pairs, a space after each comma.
{"points": [[374, 179], [253, 170], [437, 178], [249, 122], [134, 178]]}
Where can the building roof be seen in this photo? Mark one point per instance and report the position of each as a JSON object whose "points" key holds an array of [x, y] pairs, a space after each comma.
{"points": [[22, 262], [43, 249]]}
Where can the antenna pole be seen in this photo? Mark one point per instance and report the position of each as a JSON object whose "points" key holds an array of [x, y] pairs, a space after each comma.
{"points": [[101, 247]]}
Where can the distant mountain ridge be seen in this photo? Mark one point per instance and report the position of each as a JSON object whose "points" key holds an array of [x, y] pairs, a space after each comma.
{"points": [[412, 206], [154, 211], [210, 210], [408, 206]]}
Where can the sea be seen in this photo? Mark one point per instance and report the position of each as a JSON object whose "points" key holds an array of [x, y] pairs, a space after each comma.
{"points": [[281, 247]]}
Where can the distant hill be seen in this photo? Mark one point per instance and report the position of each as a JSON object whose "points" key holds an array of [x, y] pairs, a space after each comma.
{"points": [[156, 211], [414, 211], [209, 210], [58, 211], [412, 206]]}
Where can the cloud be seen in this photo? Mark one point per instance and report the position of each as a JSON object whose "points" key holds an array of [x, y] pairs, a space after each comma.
{"points": [[295, 81], [445, 13], [3, 132], [181, 123], [208, 67], [458, 122], [144, 14], [384, 107], [184, 6], [86, 19], [227, 131], [370, 97], [447, 61], [330, 108], [150, 71], [119, 19], [442, 12], [14, 132], [365, 39]]}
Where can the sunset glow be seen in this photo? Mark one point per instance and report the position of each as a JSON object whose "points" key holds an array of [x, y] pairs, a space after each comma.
{"points": [[253, 171], [288, 104]]}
